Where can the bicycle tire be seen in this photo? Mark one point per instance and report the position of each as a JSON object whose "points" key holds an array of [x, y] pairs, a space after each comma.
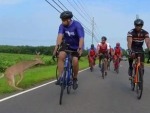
{"points": [[57, 72], [132, 84], [140, 84], [102, 70], [68, 89], [62, 86], [108, 65], [117, 66], [61, 94]]}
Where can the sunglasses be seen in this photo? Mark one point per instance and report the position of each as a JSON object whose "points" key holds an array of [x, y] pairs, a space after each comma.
{"points": [[138, 25]]}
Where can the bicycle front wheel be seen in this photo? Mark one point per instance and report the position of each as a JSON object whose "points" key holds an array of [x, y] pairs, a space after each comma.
{"points": [[102, 70], [57, 72], [61, 94], [132, 84], [140, 84], [62, 86]]}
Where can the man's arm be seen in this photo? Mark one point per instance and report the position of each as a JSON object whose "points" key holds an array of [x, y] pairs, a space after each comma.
{"points": [[129, 42], [58, 42], [59, 39], [80, 32], [147, 41], [81, 43]]}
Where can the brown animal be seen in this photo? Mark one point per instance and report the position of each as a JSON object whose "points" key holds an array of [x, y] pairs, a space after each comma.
{"points": [[18, 69]]}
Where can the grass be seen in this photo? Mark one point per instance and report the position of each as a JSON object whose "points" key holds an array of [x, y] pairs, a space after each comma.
{"points": [[35, 76]]}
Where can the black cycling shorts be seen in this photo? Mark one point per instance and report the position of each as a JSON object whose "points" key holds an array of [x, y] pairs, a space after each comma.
{"points": [[64, 47], [141, 55]]}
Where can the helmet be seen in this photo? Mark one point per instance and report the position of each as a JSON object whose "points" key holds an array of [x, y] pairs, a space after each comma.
{"points": [[66, 15], [139, 22], [92, 45], [104, 38], [117, 44]]}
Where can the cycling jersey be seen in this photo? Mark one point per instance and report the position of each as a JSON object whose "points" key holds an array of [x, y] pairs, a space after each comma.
{"points": [[72, 33], [117, 51], [92, 52], [103, 48], [138, 38]]}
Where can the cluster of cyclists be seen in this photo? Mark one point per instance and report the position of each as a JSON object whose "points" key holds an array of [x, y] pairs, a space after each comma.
{"points": [[71, 33], [104, 50]]}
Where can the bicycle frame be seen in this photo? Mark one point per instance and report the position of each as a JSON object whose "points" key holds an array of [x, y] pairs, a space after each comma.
{"points": [[137, 65], [67, 67], [137, 80]]}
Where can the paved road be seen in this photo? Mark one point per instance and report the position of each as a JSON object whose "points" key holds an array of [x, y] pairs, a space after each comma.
{"points": [[94, 95]]}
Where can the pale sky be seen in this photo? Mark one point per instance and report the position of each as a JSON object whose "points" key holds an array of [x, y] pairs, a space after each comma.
{"points": [[35, 22]]}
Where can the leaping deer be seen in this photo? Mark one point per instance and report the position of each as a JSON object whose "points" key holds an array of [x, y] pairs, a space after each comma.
{"points": [[18, 69]]}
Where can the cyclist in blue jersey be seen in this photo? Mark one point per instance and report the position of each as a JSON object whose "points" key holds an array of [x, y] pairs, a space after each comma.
{"points": [[70, 32]]}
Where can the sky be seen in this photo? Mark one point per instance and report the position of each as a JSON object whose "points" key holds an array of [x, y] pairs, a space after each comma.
{"points": [[36, 23]]}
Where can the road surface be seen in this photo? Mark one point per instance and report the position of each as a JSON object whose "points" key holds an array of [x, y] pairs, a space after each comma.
{"points": [[94, 95]]}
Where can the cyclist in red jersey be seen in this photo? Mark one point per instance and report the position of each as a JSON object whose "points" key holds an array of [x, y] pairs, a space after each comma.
{"points": [[117, 53], [103, 50], [92, 55], [111, 53]]}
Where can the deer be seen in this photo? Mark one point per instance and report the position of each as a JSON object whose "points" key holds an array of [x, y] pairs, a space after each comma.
{"points": [[18, 69]]}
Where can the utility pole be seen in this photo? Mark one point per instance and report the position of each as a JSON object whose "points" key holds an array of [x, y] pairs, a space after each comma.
{"points": [[137, 16], [92, 29]]}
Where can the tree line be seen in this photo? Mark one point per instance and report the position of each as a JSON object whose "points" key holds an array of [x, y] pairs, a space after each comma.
{"points": [[45, 50]]}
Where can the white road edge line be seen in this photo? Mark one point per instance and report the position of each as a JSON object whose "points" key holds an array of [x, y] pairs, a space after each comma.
{"points": [[12, 96]]}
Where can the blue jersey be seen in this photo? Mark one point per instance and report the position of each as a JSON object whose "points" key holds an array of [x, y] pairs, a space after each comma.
{"points": [[72, 33]]}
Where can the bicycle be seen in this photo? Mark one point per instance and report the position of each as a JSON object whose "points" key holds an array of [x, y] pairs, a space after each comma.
{"points": [[66, 79], [103, 65], [116, 64], [91, 62], [108, 65], [137, 78]]}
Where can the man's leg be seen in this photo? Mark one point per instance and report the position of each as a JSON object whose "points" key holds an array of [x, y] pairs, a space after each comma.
{"points": [[105, 66], [130, 67], [100, 61], [61, 57], [75, 71]]}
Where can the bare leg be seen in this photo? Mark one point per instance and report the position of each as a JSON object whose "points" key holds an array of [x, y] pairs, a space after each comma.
{"points": [[75, 66], [105, 66], [61, 58]]}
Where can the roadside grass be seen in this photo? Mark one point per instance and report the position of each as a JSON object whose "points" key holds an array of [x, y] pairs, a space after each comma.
{"points": [[36, 75]]}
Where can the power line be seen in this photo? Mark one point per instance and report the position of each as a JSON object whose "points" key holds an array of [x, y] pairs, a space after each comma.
{"points": [[81, 10], [62, 4], [77, 10], [79, 1], [52, 6], [58, 5], [87, 31]]}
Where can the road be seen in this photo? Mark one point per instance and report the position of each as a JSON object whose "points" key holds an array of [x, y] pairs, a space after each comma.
{"points": [[94, 95]]}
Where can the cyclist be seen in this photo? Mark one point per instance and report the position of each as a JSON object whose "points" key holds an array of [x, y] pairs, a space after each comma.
{"points": [[135, 40], [103, 50], [92, 55], [111, 52], [117, 53], [70, 32]]}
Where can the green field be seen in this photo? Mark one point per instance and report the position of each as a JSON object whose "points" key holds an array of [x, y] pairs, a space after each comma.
{"points": [[34, 75]]}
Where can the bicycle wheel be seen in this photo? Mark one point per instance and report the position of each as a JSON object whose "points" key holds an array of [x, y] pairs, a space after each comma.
{"points": [[102, 70], [57, 72], [132, 84], [68, 89], [140, 84], [61, 94], [108, 65], [91, 68], [62, 86], [117, 66]]}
